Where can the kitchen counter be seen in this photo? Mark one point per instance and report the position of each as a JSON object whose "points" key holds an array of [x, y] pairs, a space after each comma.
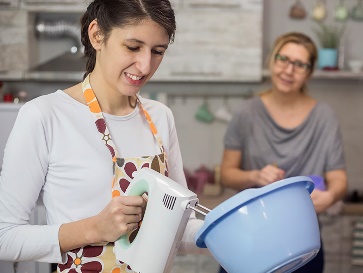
{"points": [[352, 209], [212, 201]]}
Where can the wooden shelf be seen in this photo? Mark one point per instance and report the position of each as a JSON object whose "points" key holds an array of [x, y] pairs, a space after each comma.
{"points": [[334, 75]]}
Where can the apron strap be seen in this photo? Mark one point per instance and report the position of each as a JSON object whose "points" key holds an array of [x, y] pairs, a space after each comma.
{"points": [[100, 122]]}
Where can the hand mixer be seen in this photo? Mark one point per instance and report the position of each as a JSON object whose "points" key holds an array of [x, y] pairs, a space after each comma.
{"points": [[276, 224], [167, 212]]}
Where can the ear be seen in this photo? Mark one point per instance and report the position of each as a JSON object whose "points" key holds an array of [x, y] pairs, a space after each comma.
{"points": [[94, 34]]}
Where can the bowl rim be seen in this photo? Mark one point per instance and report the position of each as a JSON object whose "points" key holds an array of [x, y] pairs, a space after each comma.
{"points": [[241, 199]]}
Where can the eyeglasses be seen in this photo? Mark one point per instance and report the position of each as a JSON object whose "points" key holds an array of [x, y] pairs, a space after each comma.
{"points": [[284, 61]]}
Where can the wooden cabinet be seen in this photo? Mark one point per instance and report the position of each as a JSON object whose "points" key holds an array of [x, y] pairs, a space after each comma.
{"points": [[24, 267]]}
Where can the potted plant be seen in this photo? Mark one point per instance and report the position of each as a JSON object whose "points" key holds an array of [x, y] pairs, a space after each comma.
{"points": [[329, 38]]}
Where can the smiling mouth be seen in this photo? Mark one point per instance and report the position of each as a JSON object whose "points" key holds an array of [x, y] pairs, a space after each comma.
{"points": [[286, 81], [134, 77]]}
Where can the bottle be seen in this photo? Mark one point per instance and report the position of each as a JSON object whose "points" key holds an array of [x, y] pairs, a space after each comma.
{"points": [[8, 98], [1, 91], [21, 97]]}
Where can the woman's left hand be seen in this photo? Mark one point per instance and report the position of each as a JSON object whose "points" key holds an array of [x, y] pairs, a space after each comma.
{"points": [[322, 200]]}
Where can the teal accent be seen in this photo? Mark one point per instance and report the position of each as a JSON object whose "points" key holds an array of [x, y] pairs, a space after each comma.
{"points": [[328, 57], [139, 188]]}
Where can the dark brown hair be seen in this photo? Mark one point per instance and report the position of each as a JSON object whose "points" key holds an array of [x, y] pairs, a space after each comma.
{"points": [[111, 14]]}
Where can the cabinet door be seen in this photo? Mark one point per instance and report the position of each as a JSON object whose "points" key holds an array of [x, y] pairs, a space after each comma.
{"points": [[24, 267]]}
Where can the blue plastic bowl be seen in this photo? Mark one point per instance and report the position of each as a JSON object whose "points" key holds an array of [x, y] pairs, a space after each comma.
{"points": [[265, 230]]}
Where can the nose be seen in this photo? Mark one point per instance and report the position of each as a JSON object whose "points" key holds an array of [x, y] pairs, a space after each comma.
{"points": [[143, 62], [289, 68]]}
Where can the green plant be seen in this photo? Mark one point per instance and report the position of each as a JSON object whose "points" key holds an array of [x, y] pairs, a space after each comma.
{"points": [[329, 35]]}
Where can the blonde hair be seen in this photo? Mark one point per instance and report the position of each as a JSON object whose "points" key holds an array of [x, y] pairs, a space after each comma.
{"points": [[296, 38]]}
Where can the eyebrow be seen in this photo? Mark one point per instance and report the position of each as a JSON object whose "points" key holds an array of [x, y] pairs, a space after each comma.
{"points": [[294, 60], [141, 42]]}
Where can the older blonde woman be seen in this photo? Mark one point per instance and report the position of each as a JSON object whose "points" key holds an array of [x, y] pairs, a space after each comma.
{"points": [[285, 132]]}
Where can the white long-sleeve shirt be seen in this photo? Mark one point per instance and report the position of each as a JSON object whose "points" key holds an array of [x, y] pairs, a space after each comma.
{"points": [[55, 151]]}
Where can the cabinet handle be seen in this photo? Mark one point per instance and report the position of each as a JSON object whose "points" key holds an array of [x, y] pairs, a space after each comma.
{"points": [[5, 3]]}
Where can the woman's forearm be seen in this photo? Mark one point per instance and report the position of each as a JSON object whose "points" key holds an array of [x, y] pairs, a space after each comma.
{"points": [[77, 234], [238, 179]]}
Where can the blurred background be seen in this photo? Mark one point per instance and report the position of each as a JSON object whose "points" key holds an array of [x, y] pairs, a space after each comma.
{"points": [[217, 60]]}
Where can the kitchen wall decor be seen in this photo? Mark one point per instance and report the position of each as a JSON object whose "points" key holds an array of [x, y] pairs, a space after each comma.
{"points": [[297, 10], [319, 11], [329, 40], [203, 113], [357, 11], [341, 12]]}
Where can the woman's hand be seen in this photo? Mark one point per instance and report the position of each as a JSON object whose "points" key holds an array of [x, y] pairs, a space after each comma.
{"points": [[322, 200], [268, 175], [120, 216]]}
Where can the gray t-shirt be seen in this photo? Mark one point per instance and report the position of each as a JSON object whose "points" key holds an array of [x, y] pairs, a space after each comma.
{"points": [[312, 148]]}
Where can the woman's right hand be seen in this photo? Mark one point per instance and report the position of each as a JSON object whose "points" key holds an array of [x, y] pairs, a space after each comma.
{"points": [[120, 216], [268, 175]]}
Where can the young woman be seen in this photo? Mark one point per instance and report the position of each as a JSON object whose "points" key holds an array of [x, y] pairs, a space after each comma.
{"points": [[79, 148], [285, 132]]}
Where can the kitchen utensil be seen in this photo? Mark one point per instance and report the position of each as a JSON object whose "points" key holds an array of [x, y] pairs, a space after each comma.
{"points": [[204, 114], [297, 11], [223, 113], [276, 224], [341, 12], [167, 212], [265, 230], [355, 65], [319, 11], [357, 11]]}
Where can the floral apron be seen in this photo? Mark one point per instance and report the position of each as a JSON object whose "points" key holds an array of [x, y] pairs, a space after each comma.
{"points": [[100, 258]]}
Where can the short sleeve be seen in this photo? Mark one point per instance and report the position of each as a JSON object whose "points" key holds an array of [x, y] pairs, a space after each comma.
{"points": [[236, 129], [335, 151]]}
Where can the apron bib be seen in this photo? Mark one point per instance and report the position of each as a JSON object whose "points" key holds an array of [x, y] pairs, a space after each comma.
{"points": [[100, 258]]}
